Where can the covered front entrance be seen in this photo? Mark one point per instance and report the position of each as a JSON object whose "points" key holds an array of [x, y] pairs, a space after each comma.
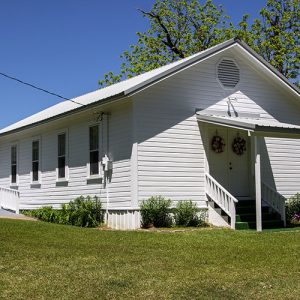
{"points": [[233, 171], [228, 158]]}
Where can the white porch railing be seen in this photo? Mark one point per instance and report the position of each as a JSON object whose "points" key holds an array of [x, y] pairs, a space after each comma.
{"points": [[9, 199], [274, 199], [221, 197]]}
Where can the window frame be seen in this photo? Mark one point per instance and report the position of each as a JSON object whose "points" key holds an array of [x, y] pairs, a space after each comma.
{"points": [[14, 184], [99, 174], [66, 178], [36, 183]]}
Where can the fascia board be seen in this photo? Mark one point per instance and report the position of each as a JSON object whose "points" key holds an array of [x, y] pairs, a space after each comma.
{"points": [[261, 62], [230, 123], [180, 67]]}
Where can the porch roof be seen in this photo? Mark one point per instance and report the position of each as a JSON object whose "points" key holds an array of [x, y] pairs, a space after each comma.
{"points": [[256, 126]]}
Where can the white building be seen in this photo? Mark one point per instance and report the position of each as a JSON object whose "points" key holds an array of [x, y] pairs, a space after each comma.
{"points": [[168, 132]]}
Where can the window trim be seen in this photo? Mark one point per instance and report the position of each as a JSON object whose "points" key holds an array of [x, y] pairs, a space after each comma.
{"points": [[36, 183], [99, 175], [66, 178], [14, 184]]}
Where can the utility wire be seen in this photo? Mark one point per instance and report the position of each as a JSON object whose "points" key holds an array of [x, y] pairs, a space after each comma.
{"points": [[40, 89]]}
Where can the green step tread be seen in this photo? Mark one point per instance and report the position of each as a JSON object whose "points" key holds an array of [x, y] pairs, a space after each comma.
{"points": [[265, 224]]}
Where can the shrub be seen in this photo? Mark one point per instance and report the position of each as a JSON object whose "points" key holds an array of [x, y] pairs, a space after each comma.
{"points": [[46, 213], [156, 212], [84, 212], [293, 209], [202, 217], [187, 214]]}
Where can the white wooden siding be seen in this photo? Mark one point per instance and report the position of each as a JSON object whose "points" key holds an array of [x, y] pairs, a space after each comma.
{"points": [[171, 157], [170, 151], [51, 194], [284, 157]]}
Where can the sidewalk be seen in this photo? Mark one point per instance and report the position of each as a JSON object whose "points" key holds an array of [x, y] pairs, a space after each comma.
{"points": [[11, 215]]}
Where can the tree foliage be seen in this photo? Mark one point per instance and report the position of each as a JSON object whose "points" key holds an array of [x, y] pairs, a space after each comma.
{"points": [[179, 28], [275, 36]]}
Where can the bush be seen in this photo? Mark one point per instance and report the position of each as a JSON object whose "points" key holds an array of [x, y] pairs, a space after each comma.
{"points": [[84, 212], [186, 214], [47, 214], [156, 212], [293, 209]]}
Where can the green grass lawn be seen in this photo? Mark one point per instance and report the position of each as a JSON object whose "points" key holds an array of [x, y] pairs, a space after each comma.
{"points": [[47, 261]]}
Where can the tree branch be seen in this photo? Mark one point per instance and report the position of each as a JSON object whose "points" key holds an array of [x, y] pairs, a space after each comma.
{"points": [[169, 43]]}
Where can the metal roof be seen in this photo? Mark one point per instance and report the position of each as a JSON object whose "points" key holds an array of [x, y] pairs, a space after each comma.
{"points": [[256, 125], [129, 87]]}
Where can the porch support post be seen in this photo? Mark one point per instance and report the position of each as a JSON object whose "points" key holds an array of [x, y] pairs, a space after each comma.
{"points": [[258, 183]]}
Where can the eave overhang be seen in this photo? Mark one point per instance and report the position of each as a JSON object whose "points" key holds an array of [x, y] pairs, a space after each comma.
{"points": [[255, 126]]}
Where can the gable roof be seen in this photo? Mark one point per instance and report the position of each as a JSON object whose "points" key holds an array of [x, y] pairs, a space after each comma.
{"points": [[133, 85]]}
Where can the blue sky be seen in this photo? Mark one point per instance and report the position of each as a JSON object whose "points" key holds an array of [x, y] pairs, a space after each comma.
{"points": [[66, 46]]}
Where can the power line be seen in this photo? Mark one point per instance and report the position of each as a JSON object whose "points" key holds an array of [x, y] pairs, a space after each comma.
{"points": [[38, 88]]}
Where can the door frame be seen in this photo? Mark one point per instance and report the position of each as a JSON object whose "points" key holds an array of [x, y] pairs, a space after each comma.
{"points": [[250, 154]]}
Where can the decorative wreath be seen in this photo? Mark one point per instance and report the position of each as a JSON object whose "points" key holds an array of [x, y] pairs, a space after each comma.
{"points": [[217, 144], [239, 146]]}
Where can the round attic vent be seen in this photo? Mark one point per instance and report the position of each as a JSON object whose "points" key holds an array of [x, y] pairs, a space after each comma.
{"points": [[228, 73]]}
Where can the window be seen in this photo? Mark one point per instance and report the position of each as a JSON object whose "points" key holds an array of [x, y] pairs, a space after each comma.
{"points": [[13, 155], [94, 150], [35, 160], [61, 152]]}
